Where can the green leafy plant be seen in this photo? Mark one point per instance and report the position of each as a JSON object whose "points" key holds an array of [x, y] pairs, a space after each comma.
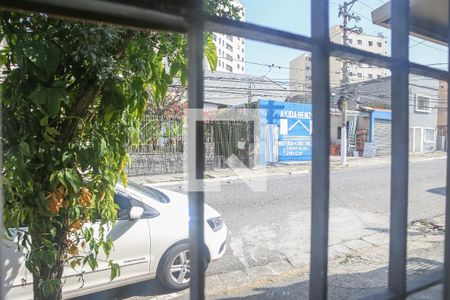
{"points": [[72, 100]]}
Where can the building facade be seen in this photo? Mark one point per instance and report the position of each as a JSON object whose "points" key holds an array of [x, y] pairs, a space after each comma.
{"points": [[442, 125], [300, 67], [231, 49], [374, 97]]}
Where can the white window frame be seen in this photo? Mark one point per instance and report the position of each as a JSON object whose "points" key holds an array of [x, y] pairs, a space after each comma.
{"points": [[416, 106]]}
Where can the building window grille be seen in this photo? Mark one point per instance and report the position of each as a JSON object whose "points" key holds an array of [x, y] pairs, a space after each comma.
{"points": [[423, 104]]}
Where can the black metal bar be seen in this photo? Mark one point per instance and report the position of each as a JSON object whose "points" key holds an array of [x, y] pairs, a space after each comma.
{"points": [[399, 165], [140, 18], [102, 11], [196, 155], [300, 42], [446, 287], [258, 33], [320, 186]]}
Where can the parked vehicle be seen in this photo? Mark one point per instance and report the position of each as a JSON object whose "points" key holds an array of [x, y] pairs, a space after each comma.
{"points": [[150, 240]]}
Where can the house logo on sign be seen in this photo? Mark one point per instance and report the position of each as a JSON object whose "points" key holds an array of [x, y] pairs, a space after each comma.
{"points": [[285, 129], [295, 122]]}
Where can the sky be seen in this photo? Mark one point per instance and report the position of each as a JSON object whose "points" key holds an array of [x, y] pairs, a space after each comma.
{"points": [[294, 16]]}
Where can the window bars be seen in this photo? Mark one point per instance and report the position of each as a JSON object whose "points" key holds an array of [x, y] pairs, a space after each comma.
{"points": [[193, 21]]}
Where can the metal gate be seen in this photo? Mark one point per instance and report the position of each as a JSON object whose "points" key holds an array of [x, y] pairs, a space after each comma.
{"points": [[382, 136]]}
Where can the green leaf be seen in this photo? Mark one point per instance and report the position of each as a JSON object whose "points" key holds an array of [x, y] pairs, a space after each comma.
{"points": [[115, 270], [52, 131], [210, 52], [53, 232], [107, 246], [109, 112], [48, 138], [92, 262], [44, 58], [44, 121], [48, 98], [39, 96], [73, 180], [87, 234], [25, 149]]}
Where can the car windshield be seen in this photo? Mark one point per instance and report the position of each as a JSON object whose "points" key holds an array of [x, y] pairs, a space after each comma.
{"points": [[148, 191]]}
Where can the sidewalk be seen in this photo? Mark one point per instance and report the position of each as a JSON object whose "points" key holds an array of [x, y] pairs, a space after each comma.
{"points": [[281, 168]]}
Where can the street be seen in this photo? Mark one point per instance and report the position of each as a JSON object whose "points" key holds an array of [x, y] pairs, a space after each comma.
{"points": [[272, 228], [275, 225]]}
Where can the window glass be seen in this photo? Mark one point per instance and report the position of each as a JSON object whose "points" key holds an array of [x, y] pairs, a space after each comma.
{"points": [[149, 192], [123, 201], [429, 135]]}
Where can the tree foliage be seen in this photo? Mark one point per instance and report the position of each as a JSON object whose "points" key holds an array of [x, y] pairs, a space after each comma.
{"points": [[72, 100]]}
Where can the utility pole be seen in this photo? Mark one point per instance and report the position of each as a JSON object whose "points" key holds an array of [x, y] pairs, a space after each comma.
{"points": [[249, 93], [347, 16]]}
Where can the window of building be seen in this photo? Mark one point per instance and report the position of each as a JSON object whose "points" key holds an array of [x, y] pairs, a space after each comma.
{"points": [[359, 42], [220, 51], [429, 135], [370, 43], [378, 76], [242, 59], [307, 68], [242, 50], [229, 37], [379, 44], [350, 41], [308, 58], [359, 75], [423, 104], [238, 66], [239, 57], [229, 57], [214, 37], [370, 76], [308, 77], [229, 47], [220, 41], [229, 68]]}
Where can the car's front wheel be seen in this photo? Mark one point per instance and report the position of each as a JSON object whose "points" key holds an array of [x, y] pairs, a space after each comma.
{"points": [[174, 268]]}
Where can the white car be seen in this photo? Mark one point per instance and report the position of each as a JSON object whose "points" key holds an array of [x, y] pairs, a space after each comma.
{"points": [[150, 240]]}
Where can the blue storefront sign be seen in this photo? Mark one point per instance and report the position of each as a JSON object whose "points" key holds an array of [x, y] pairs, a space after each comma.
{"points": [[287, 126]]}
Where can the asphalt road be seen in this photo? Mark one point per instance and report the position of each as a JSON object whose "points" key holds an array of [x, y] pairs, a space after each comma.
{"points": [[275, 224]]}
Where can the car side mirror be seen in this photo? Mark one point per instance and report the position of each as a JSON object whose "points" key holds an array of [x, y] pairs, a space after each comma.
{"points": [[135, 213]]}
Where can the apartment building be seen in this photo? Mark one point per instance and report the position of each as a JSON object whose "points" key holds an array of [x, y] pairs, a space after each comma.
{"points": [[231, 49], [300, 67]]}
